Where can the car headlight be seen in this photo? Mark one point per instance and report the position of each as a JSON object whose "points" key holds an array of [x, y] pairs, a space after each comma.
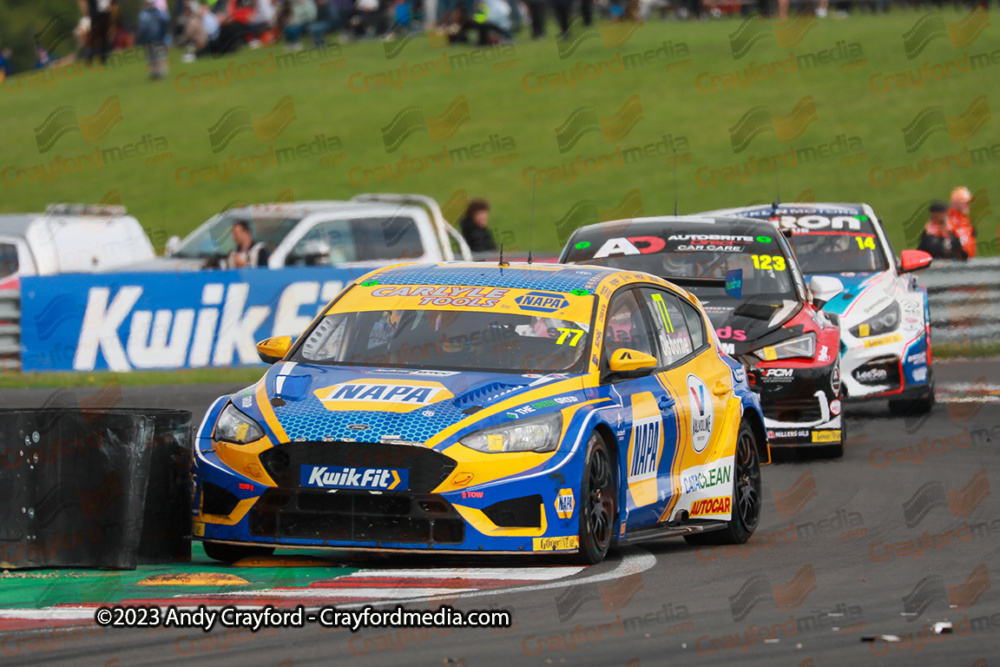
{"points": [[235, 427], [887, 320], [802, 346], [540, 434]]}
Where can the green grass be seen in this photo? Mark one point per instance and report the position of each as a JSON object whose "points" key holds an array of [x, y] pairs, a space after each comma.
{"points": [[966, 350], [10, 380], [499, 105]]}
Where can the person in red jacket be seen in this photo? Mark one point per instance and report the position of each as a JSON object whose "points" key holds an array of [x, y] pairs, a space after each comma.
{"points": [[958, 220]]}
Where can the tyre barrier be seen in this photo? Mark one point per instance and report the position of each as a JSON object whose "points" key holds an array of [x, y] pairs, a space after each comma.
{"points": [[964, 299], [94, 487]]}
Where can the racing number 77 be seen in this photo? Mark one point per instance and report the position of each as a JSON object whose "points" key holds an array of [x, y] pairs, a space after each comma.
{"points": [[576, 333]]}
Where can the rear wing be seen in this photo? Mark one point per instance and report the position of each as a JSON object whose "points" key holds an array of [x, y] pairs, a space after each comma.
{"points": [[445, 232]]}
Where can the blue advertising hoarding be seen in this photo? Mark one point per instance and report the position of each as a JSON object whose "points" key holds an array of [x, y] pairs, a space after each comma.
{"points": [[169, 320]]}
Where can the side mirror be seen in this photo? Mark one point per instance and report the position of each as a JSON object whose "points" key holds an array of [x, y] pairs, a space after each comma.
{"points": [[914, 260], [631, 363], [172, 245], [824, 288], [271, 350]]}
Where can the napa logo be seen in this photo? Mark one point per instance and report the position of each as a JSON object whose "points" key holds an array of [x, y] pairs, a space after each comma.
{"points": [[541, 302], [344, 477], [383, 395], [702, 413], [645, 449]]}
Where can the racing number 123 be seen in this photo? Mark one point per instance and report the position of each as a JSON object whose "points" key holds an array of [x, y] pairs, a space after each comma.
{"points": [[776, 262]]}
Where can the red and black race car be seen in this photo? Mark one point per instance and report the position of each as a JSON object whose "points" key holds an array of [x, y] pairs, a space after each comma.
{"points": [[745, 274]]}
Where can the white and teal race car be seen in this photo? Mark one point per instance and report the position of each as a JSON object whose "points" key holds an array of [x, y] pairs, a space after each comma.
{"points": [[884, 316]]}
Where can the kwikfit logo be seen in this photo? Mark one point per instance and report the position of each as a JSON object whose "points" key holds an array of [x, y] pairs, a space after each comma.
{"points": [[337, 477], [220, 329]]}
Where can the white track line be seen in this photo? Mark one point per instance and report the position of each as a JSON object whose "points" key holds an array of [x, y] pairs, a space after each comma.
{"points": [[500, 573]]}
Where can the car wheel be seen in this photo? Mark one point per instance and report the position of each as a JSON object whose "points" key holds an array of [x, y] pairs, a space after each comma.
{"points": [[915, 406], [598, 502], [746, 495], [230, 553]]}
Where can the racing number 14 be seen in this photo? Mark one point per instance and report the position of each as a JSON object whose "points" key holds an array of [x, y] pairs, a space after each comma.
{"points": [[865, 242]]}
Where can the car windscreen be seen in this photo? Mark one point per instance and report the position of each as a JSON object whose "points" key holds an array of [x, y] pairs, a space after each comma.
{"points": [[764, 270], [216, 239], [828, 251], [467, 336]]}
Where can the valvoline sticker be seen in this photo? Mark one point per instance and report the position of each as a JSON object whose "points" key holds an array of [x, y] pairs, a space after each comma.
{"points": [[542, 302]]}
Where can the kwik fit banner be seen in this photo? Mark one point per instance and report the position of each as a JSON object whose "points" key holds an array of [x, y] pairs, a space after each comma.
{"points": [[137, 321]]}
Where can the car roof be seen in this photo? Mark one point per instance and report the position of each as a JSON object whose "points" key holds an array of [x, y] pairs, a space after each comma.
{"points": [[709, 222], [305, 208], [805, 208], [16, 224], [515, 275]]}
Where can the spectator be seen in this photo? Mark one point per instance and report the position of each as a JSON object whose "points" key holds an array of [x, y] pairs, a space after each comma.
{"points": [[302, 17], [536, 15], [247, 253], [233, 19], [42, 58], [474, 226], [154, 24], [368, 18], [937, 238], [261, 23], [6, 67], [563, 9], [199, 27], [120, 38], [100, 26], [958, 219], [327, 20]]}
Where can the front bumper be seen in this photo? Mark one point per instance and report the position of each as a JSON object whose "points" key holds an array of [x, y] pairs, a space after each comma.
{"points": [[885, 366], [527, 514], [801, 405]]}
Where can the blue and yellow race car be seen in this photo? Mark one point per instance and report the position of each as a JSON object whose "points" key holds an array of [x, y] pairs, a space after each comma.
{"points": [[491, 409]]}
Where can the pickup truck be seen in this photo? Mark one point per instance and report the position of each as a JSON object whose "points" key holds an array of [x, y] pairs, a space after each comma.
{"points": [[368, 229]]}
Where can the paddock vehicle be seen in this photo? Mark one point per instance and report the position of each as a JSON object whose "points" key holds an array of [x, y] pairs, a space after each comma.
{"points": [[368, 229], [479, 408]]}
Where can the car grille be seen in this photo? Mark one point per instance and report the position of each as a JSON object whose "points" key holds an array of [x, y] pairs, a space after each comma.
{"points": [[522, 512], [427, 468], [217, 500], [356, 516], [795, 409]]}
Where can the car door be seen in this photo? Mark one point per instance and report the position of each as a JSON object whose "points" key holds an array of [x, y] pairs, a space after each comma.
{"points": [[701, 383], [647, 412]]}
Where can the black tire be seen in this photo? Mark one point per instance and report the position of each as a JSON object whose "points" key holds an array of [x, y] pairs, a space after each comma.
{"points": [[230, 553], [920, 405], [746, 495], [598, 502]]}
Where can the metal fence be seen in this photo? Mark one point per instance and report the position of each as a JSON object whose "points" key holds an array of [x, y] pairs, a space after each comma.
{"points": [[10, 329], [964, 300]]}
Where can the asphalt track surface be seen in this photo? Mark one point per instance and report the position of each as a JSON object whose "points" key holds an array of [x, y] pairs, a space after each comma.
{"points": [[901, 533]]}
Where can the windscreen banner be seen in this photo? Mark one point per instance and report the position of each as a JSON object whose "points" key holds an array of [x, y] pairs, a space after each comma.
{"points": [[145, 321]]}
